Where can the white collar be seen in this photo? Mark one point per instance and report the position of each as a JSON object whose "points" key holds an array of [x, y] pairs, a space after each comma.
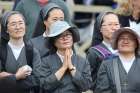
{"points": [[108, 45], [16, 49], [135, 26], [45, 34], [127, 63], [61, 56]]}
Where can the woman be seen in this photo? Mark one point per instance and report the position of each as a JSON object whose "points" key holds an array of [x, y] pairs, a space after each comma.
{"points": [[49, 14], [97, 35], [31, 8], [120, 74], [63, 71], [19, 62], [108, 23], [132, 19]]}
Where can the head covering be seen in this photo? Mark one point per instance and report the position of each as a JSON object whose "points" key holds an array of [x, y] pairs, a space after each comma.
{"points": [[97, 35], [47, 8], [6, 15], [121, 31], [43, 15], [59, 27]]}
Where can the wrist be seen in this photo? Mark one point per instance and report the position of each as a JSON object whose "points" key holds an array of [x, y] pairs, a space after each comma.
{"points": [[17, 77], [72, 68], [64, 67]]}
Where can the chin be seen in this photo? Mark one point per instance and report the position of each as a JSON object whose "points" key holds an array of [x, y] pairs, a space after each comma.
{"points": [[19, 37], [68, 46]]}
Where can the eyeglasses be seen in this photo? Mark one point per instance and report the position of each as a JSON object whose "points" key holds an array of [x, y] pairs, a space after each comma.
{"points": [[111, 24], [15, 24], [125, 38], [67, 35]]}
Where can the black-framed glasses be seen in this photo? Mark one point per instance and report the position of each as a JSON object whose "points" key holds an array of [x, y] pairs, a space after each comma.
{"points": [[67, 35]]}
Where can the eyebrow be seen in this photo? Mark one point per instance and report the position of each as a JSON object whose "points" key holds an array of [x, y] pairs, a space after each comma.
{"points": [[16, 21]]}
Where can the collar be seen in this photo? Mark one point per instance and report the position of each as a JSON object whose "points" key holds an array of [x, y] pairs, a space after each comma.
{"points": [[45, 35], [125, 59], [107, 44], [109, 47], [61, 56], [16, 47], [132, 19]]}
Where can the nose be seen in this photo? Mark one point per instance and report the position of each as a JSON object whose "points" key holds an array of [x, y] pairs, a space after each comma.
{"points": [[115, 27], [126, 40]]}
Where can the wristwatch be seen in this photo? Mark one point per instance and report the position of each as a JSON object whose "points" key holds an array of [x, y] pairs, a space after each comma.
{"points": [[73, 68]]}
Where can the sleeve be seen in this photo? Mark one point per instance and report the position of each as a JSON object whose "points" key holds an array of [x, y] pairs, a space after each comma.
{"points": [[103, 85], [48, 79], [7, 82], [94, 61], [32, 80], [82, 77]]}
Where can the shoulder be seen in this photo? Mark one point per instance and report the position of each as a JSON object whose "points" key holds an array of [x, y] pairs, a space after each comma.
{"points": [[49, 57], [109, 60], [36, 39], [95, 50]]}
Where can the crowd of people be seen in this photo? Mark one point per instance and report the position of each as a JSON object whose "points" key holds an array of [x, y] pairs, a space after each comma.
{"points": [[38, 55]]}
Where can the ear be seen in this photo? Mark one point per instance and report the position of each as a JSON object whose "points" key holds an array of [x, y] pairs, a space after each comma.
{"points": [[7, 32], [45, 22]]}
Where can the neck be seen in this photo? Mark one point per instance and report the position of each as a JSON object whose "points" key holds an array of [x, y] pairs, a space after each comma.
{"points": [[107, 41], [16, 42], [47, 32], [127, 55]]}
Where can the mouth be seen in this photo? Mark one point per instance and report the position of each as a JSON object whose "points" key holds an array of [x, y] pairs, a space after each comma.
{"points": [[125, 45], [17, 31], [66, 43]]}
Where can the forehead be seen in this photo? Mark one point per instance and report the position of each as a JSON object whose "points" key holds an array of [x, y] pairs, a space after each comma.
{"points": [[56, 11], [110, 18], [127, 34], [67, 31], [15, 17]]}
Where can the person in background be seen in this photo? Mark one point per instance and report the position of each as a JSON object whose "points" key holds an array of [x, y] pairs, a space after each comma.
{"points": [[107, 23], [63, 70], [120, 74], [19, 62], [129, 16], [31, 8], [132, 19], [49, 14], [15, 4]]}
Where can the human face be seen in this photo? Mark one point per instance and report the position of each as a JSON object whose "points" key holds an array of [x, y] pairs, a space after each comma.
{"points": [[109, 26], [126, 43], [136, 7], [54, 15], [16, 26], [65, 40]]}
